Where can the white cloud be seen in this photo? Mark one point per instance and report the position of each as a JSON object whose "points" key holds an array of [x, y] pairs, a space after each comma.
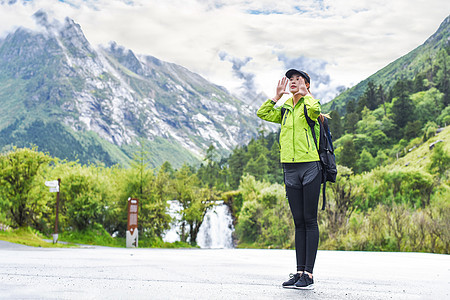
{"points": [[351, 39]]}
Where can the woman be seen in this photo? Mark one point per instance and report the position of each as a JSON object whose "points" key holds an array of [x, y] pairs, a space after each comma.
{"points": [[302, 168]]}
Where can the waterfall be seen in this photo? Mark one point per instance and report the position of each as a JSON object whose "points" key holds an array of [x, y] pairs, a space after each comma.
{"points": [[217, 228], [173, 235], [215, 232]]}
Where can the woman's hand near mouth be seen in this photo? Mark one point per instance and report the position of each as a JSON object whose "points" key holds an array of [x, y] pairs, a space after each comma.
{"points": [[281, 89]]}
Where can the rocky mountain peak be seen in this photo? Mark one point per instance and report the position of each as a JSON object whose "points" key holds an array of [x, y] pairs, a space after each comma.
{"points": [[442, 34], [41, 18], [68, 33], [126, 57], [114, 96]]}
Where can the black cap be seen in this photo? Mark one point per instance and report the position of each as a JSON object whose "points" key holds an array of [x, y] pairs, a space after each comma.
{"points": [[291, 72]]}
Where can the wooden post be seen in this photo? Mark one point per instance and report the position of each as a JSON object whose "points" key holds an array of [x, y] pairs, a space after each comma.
{"points": [[132, 234], [55, 235]]}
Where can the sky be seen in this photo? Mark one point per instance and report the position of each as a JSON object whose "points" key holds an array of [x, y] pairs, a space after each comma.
{"points": [[247, 46]]}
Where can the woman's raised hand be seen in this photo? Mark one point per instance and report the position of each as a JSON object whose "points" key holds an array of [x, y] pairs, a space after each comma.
{"points": [[302, 91], [281, 89]]}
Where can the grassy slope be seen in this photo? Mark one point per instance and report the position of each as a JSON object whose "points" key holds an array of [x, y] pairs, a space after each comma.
{"points": [[96, 236], [419, 157], [29, 237]]}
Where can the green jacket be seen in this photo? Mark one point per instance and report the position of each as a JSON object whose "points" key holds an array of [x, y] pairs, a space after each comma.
{"points": [[296, 140]]}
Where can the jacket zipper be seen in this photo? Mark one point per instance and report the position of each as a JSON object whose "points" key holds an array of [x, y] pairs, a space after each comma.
{"points": [[307, 139], [293, 136], [285, 116]]}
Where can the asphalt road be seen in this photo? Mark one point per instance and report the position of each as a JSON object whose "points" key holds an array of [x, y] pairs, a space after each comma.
{"points": [[111, 273]]}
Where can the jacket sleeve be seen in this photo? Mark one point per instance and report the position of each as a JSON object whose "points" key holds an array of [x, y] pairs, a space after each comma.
{"points": [[268, 112], [312, 107]]}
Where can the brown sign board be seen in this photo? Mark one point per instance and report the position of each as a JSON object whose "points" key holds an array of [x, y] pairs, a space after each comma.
{"points": [[133, 205]]}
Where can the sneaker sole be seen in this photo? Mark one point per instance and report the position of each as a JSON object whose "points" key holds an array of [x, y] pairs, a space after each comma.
{"points": [[288, 286], [309, 287]]}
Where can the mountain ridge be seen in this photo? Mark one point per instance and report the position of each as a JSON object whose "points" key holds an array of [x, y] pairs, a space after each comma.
{"points": [[405, 67], [129, 100]]}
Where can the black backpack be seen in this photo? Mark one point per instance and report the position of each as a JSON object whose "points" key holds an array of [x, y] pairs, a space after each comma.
{"points": [[325, 149]]}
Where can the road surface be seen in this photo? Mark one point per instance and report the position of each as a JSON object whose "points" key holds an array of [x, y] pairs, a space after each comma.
{"points": [[120, 273]]}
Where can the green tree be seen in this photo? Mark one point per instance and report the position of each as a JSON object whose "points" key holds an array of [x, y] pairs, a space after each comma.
{"points": [[368, 122], [444, 118], [211, 155], [256, 148], [273, 163], [442, 77], [401, 89], [348, 155], [428, 105], [412, 129], [236, 162], [440, 160], [342, 200], [140, 183], [365, 162], [210, 172], [248, 228], [258, 167], [167, 168], [194, 213], [19, 169], [264, 218], [335, 125], [81, 198], [350, 107], [112, 185], [381, 97], [350, 122], [157, 206], [369, 98], [429, 130], [403, 110], [195, 202], [381, 159], [388, 127], [379, 140], [418, 82]]}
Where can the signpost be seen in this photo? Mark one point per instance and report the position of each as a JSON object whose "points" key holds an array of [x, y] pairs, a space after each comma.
{"points": [[54, 188], [132, 230]]}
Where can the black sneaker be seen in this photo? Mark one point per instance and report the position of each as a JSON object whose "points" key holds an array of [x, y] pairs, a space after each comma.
{"points": [[304, 282], [293, 278]]}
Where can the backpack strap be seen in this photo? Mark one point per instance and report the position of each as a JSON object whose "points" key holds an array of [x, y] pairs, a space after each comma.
{"points": [[327, 132], [283, 111], [323, 193], [311, 124]]}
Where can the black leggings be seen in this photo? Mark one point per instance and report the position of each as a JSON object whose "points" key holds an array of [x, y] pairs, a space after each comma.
{"points": [[303, 182]]}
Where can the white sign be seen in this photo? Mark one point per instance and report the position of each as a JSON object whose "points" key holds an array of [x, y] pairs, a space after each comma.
{"points": [[53, 183], [54, 189]]}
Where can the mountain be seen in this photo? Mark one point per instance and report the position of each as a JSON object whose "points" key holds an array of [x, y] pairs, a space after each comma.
{"points": [[251, 100], [102, 104], [406, 67]]}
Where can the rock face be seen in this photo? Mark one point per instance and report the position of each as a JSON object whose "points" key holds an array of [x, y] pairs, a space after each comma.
{"points": [[111, 99]]}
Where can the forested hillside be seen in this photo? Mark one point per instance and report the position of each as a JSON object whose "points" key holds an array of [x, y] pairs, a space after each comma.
{"points": [[402, 206], [420, 60]]}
